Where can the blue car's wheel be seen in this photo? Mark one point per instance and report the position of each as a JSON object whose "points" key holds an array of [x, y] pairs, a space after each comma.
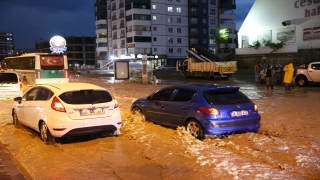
{"points": [[195, 129]]}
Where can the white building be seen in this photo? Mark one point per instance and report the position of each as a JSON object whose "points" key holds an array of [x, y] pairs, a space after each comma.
{"points": [[297, 22]]}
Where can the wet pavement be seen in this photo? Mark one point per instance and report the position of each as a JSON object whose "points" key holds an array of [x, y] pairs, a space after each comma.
{"points": [[11, 169]]}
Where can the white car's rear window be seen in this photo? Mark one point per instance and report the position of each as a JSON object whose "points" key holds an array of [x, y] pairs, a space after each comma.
{"points": [[86, 97]]}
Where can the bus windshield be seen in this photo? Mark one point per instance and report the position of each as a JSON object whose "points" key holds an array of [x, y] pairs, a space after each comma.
{"points": [[48, 62]]}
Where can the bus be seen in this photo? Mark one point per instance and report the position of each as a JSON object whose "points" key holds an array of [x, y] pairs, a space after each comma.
{"points": [[39, 68]]}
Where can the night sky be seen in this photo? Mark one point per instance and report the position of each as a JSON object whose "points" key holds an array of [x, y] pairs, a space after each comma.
{"points": [[35, 20]]}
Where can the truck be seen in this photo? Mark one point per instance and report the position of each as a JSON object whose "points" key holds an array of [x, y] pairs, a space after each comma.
{"points": [[308, 72], [199, 64]]}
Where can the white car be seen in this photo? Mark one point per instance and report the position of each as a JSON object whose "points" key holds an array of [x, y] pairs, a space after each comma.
{"points": [[66, 110], [10, 84], [165, 67]]}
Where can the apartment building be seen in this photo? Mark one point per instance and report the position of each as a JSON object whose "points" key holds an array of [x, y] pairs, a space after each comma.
{"points": [[6, 44], [162, 29]]}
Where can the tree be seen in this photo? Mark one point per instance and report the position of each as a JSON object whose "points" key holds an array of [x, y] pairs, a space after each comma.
{"points": [[221, 36]]}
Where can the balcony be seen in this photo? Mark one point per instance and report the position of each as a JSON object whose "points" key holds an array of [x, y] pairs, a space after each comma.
{"points": [[115, 46], [114, 27], [114, 18], [130, 45], [122, 46], [114, 37], [193, 3], [122, 25], [122, 35], [121, 15], [227, 16], [113, 8], [227, 6], [121, 5]]}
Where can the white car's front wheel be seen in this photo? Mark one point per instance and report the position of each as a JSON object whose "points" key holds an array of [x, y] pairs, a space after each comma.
{"points": [[45, 134], [15, 119]]}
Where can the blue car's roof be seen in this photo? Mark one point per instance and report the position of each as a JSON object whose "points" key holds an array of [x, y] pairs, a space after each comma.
{"points": [[203, 87]]}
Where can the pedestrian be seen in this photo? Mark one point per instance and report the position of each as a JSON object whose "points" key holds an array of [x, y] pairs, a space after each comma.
{"points": [[288, 73], [269, 76], [294, 77], [262, 75], [278, 71], [257, 72]]}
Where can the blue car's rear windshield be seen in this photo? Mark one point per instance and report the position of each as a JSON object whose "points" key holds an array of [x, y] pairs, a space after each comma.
{"points": [[225, 97]]}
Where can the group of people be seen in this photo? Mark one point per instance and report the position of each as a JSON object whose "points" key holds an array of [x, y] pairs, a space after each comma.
{"points": [[267, 73]]}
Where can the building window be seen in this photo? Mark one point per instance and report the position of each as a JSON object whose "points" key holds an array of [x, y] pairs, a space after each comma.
{"points": [[170, 50], [194, 10], [212, 21], [212, 12], [194, 30], [154, 38], [204, 41], [178, 20], [178, 30], [213, 2], [193, 40], [211, 41], [204, 21], [154, 18], [204, 31], [154, 28], [212, 31], [170, 9], [204, 1], [170, 19], [179, 40], [179, 50], [170, 29], [204, 10], [193, 20], [154, 6], [154, 49], [178, 9], [170, 40], [178, 0]]}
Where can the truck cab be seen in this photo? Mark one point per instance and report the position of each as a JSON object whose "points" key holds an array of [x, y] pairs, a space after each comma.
{"points": [[308, 72]]}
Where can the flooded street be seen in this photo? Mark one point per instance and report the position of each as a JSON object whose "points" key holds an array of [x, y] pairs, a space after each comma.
{"points": [[286, 147]]}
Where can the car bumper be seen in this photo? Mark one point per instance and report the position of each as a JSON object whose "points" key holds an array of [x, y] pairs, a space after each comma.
{"points": [[10, 94], [228, 127], [63, 126]]}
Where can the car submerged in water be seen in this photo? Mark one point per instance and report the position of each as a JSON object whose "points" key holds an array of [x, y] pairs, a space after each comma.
{"points": [[203, 109]]}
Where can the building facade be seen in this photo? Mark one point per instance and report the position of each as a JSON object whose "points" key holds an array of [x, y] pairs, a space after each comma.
{"points": [[6, 44], [162, 29], [297, 23], [80, 51]]}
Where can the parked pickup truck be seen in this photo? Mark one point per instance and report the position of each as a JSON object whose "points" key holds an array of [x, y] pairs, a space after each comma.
{"points": [[309, 72]]}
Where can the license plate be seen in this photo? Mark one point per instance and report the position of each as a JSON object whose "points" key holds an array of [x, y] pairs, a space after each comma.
{"points": [[239, 113], [88, 112]]}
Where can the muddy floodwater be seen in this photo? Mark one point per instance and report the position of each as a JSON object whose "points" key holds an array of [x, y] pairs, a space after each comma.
{"points": [[286, 147]]}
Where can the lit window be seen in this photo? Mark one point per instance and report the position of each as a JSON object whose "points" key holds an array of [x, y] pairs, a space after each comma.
{"points": [[154, 6], [170, 9], [154, 18], [178, 9]]}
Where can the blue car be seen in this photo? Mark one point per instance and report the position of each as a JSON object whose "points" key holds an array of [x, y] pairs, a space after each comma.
{"points": [[203, 109]]}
